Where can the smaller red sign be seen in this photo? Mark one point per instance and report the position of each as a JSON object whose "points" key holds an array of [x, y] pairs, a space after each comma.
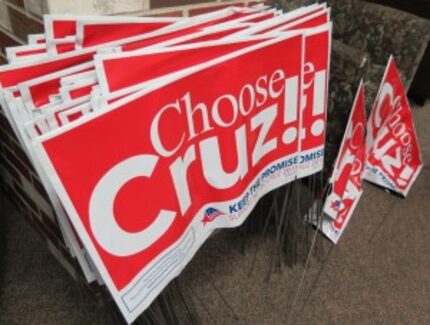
{"points": [[394, 159], [347, 174]]}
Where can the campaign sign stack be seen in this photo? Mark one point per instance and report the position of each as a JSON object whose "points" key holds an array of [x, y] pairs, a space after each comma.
{"points": [[147, 134], [142, 136]]}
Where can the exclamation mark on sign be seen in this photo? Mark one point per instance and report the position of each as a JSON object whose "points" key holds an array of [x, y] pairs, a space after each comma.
{"points": [[291, 109], [405, 176], [318, 106]]}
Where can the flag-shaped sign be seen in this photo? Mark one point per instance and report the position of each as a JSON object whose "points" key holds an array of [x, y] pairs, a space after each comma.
{"points": [[347, 175], [393, 155]]}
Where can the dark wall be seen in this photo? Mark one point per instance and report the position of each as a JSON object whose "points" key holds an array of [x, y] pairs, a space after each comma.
{"points": [[417, 7]]}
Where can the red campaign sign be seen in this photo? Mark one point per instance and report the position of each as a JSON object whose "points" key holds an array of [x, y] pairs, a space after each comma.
{"points": [[192, 33], [37, 91], [72, 113], [80, 92], [257, 19], [312, 20], [92, 33], [213, 35], [311, 17], [31, 52], [229, 25], [347, 176], [65, 47], [25, 52], [12, 74], [139, 44], [34, 39], [59, 26], [227, 18], [146, 181], [115, 78], [237, 15], [394, 159], [314, 100]]}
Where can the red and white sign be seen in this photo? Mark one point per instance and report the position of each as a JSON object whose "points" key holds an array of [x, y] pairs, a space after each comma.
{"points": [[347, 176], [197, 129], [37, 91], [92, 32], [394, 159], [149, 64], [25, 53], [196, 154], [315, 97], [36, 39]]}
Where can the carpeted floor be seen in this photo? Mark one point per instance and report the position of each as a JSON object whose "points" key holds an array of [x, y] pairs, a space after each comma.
{"points": [[377, 274]]}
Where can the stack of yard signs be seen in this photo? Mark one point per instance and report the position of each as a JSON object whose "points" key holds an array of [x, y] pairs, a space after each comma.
{"points": [[150, 133]]}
